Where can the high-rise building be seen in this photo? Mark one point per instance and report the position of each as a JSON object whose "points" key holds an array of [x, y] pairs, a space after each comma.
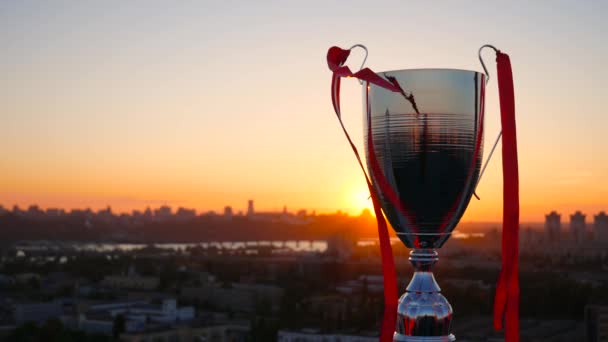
{"points": [[250, 211], [553, 226], [578, 226], [600, 227]]}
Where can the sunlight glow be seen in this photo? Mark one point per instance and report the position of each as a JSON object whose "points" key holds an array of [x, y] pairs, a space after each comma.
{"points": [[360, 200]]}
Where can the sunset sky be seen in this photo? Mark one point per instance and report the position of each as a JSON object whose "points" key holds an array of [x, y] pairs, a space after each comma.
{"points": [[204, 104]]}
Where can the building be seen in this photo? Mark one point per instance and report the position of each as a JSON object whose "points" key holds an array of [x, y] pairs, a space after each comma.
{"points": [[131, 282], [164, 213], [577, 227], [230, 332], [340, 247], [330, 307], [166, 312], [369, 283], [228, 212], [25, 278], [6, 280], [148, 215], [528, 238], [600, 227], [465, 284], [553, 226], [312, 335], [103, 323], [17, 211], [237, 297], [106, 215], [37, 312], [250, 211], [184, 215], [596, 323], [139, 316], [34, 212]]}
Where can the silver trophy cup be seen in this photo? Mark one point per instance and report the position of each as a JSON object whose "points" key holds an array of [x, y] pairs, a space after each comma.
{"points": [[427, 142]]}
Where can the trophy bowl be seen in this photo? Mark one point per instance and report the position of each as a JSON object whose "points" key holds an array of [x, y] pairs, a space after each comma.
{"points": [[429, 149], [426, 148]]}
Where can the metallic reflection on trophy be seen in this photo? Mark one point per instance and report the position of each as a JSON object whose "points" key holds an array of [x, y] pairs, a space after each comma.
{"points": [[427, 142]]}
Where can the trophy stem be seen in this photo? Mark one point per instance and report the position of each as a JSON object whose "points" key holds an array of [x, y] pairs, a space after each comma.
{"points": [[423, 314]]}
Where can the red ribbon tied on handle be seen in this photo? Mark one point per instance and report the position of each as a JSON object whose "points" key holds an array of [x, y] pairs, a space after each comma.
{"points": [[335, 60], [506, 304]]}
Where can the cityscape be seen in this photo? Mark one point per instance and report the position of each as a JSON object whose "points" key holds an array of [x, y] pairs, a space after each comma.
{"points": [[179, 171], [107, 278], [160, 214]]}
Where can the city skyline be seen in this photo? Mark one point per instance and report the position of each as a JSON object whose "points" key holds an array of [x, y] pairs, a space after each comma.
{"points": [[552, 217], [202, 104]]}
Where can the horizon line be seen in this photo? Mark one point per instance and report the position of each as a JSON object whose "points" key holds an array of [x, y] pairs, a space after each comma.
{"points": [[243, 212]]}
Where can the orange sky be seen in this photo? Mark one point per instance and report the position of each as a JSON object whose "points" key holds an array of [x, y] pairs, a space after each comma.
{"points": [[205, 105]]}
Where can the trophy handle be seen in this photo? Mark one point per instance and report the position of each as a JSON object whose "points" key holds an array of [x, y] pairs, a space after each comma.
{"points": [[485, 70], [483, 169], [364, 58]]}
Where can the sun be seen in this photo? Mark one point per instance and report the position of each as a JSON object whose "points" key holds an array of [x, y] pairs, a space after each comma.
{"points": [[358, 200]]}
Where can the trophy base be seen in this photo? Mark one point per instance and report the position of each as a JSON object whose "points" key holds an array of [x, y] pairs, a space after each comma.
{"points": [[423, 313], [404, 338]]}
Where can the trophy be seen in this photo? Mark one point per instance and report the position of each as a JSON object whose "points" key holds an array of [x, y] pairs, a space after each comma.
{"points": [[423, 134]]}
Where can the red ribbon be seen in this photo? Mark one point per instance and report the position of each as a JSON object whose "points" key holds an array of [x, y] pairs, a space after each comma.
{"points": [[335, 60], [506, 303]]}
